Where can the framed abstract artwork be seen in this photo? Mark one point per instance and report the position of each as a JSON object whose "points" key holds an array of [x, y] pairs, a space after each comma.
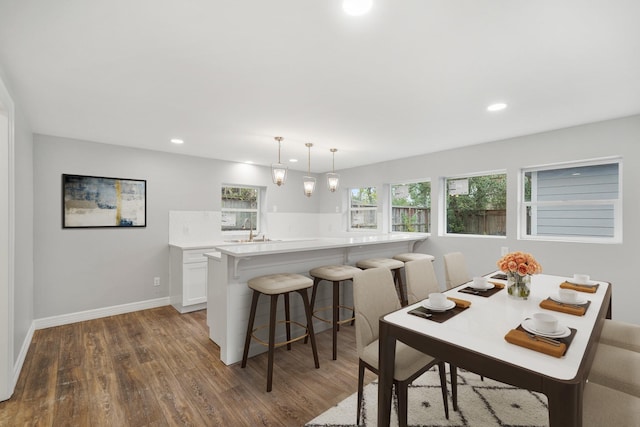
{"points": [[93, 201]]}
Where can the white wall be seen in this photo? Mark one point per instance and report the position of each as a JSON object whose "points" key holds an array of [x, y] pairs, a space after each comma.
{"points": [[84, 269], [614, 263]]}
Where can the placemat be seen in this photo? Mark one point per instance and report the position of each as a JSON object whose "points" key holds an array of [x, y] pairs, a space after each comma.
{"points": [[499, 276], [437, 316], [566, 340], [575, 309], [486, 293]]}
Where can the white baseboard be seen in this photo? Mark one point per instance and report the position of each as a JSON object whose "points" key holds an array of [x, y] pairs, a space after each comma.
{"points": [[65, 319], [17, 367]]}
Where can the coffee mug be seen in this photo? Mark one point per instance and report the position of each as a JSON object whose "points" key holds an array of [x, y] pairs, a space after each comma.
{"points": [[545, 323], [568, 295], [581, 279], [437, 299], [480, 282]]}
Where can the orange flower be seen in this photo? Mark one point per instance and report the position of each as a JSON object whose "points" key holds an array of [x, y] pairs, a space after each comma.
{"points": [[519, 262]]}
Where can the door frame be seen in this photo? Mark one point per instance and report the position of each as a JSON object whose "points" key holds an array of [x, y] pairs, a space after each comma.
{"points": [[7, 245]]}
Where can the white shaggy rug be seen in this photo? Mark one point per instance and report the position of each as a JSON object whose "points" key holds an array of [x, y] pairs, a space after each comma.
{"points": [[480, 403]]}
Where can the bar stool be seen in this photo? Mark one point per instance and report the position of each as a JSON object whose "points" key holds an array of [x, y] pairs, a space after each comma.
{"points": [[413, 256], [392, 264], [275, 285], [335, 274]]}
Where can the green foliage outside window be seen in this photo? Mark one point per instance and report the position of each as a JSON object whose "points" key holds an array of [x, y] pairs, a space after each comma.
{"points": [[482, 210]]}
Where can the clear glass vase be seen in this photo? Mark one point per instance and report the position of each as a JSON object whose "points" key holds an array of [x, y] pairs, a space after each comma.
{"points": [[519, 287]]}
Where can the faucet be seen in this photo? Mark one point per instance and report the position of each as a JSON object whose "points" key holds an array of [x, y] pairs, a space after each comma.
{"points": [[244, 226]]}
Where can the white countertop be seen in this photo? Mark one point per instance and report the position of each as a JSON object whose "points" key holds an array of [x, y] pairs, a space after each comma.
{"points": [[285, 246]]}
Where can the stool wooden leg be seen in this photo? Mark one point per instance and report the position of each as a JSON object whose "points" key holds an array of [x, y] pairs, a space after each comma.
{"points": [[335, 324], [252, 318], [287, 317], [454, 385], [312, 336], [316, 282], [272, 339]]}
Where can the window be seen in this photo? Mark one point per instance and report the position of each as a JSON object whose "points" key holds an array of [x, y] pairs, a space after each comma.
{"points": [[363, 208], [240, 208], [411, 207], [577, 202], [476, 205]]}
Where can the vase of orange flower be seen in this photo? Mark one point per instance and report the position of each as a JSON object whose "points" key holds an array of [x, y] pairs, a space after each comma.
{"points": [[519, 266]]}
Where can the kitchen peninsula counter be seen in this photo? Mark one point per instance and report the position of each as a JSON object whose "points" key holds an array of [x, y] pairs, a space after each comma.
{"points": [[232, 265]]}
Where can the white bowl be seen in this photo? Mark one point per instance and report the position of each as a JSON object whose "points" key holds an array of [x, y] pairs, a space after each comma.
{"points": [[480, 283], [437, 300], [568, 295], [581, 279]]}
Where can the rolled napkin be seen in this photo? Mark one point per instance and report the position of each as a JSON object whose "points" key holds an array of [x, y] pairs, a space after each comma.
{"points": [[497, 284], [580, 288], [462, 303], [576, 310], [522, 339]]}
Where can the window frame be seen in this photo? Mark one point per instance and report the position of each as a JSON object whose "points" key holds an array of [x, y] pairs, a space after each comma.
{"points": [[256, 227], [351, 209], [409, 182], [442, 200], [617, 204]]}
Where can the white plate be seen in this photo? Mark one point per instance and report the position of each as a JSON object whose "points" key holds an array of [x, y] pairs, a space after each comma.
{"points": [[483, 288], [449, 305], [562, 331], [580, 300]]}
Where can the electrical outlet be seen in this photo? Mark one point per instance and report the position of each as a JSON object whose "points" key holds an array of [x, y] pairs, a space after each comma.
{"points": [[156, 281]]}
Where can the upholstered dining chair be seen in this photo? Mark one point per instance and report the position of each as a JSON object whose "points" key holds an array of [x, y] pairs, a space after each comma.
{"points": [[421, 281], [374, 296], [455, 269]]}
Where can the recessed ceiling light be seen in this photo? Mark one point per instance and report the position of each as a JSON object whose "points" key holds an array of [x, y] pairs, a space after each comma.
{"points": [[356, 7], [177, 141], [293, 160], [497, 106]]}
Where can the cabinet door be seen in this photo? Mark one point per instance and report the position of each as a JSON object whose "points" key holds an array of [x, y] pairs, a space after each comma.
{"points": [[194, 283]]}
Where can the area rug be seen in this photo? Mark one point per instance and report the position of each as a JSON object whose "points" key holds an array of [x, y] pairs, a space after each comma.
{"points": [[480, 403]]}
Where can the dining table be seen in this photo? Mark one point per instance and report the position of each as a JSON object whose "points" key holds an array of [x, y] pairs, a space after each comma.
{"points": [[475, 338]]}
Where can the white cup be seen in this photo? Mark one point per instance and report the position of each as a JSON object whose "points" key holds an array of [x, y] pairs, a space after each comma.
{"points": [[437, 300], [545, 323], [581, 279], [568, 295], [480, 282]]}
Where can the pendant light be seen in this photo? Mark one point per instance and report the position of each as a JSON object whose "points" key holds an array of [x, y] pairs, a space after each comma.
{"points": [[309, 182], [278, 170], [333, 179]]}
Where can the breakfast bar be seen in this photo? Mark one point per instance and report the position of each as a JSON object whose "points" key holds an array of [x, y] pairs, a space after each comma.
{"points": [[232, 265]]}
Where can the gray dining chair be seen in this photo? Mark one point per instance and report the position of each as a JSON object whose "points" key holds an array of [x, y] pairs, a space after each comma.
{"points": [[374, 296], [455, 270]]}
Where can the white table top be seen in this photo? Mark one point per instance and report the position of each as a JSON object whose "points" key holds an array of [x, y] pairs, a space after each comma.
{"points": [[276, 247], [482, 327]]}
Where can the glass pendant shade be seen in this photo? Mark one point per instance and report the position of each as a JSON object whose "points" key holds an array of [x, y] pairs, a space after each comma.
{"points": [[333, 179], [308, 182], [278, 170]]}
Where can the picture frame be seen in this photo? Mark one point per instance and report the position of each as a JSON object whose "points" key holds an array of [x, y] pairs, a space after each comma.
{"points": [[103, 202]]}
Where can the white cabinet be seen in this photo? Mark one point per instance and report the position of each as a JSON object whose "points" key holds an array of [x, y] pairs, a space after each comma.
{"points": [[188, 274]]}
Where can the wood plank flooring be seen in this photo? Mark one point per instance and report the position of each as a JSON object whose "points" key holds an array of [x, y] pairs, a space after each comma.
{"points": [[159, 368]]}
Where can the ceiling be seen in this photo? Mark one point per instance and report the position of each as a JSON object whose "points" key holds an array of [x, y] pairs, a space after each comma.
{"points": [[410, 77]]}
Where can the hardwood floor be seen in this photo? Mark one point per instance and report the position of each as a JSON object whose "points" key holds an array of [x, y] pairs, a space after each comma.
{"points": [[158, 367]]}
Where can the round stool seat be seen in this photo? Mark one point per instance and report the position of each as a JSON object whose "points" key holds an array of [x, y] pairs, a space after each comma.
{"points": [[272, 284], [389, 263], [413, 256], [334, 273]]}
